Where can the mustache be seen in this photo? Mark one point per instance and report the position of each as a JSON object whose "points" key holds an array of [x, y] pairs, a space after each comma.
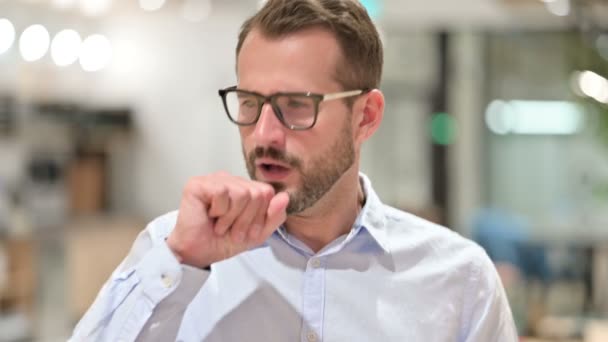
{"points": [[275, 154]]}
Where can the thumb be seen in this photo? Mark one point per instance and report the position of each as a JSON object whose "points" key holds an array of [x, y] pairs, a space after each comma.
{"points": [[276, 213]]}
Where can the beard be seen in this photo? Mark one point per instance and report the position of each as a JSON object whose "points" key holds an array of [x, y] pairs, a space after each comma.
{"points": [[317, 176]]}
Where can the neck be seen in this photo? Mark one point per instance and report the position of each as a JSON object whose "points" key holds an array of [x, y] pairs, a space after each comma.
{"points": [[332, 216]]}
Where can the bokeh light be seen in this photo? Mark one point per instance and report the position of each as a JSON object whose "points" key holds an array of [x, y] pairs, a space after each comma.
{"points": [[534, 117], [593, 85], [560, 8], [34, 42], [151, 5], [64, 4], [94, 8], [95, 53], [7, 35], [65, 47]]}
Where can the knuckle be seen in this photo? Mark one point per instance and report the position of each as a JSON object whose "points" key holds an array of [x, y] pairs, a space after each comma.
{"points": [[238, 227], [191, 185], [263, 194], [223, 222], [257, 195], [219, 190], [232, 214], [221, 174], [241, 194], [267, 189]]}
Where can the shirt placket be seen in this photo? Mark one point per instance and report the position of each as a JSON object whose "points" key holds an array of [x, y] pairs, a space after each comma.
{"points": [[313, 296]]}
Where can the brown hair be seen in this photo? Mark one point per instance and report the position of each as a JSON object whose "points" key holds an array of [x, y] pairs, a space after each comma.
{"points": [[346, 19]]}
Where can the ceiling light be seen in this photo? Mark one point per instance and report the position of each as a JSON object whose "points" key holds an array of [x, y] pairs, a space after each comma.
{"points": [[7, 35], [593, 85], [560, 8], [34, 42], [65, 47], [95, 53], [534, 117], [151, 5], [94, 8]]}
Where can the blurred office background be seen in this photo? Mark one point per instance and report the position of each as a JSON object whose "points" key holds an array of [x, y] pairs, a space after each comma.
{"points": [[496, 125]]}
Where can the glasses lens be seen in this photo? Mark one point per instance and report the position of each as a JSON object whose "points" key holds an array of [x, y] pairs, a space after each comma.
{"points": [[242, 107], [298, 111]]}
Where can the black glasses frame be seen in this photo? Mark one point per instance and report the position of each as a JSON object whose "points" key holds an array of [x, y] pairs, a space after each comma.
{"points": [[271, 99]]}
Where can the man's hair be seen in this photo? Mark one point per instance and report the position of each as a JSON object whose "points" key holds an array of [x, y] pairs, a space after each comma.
{"points": [[348, 20]]}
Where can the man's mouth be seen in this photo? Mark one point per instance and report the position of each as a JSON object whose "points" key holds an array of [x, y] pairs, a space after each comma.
{"points": [[273, 167], [271, 170]]}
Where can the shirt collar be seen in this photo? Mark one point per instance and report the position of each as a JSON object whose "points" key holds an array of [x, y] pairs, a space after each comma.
{"points": [[371, 217]]}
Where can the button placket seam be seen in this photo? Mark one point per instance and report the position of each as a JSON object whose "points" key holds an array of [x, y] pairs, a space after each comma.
{"points": [[316, 275]]}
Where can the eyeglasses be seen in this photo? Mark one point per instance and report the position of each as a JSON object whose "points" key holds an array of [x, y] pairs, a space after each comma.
{"points": [[296, 111]]}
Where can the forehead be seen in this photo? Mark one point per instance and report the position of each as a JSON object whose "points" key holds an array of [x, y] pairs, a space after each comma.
{"points": [[302, 61]]}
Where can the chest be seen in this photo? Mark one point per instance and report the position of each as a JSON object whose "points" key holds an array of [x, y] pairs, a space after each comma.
{"points": [[321, 299]]}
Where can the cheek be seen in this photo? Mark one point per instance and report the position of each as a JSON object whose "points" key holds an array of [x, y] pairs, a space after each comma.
{"points": [[245, 133]]}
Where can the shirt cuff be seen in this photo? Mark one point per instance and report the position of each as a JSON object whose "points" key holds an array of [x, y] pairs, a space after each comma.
{"points": [[159, 272]]}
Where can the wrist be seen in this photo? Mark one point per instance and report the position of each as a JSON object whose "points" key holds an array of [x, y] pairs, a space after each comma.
{"points": [[174, 249]]}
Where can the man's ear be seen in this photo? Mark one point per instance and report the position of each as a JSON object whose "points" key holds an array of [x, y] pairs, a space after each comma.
{"points": [[370, 116]]}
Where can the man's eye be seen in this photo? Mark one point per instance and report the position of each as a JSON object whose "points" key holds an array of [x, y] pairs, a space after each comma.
{"points": [[249, 103], [297, 104]]}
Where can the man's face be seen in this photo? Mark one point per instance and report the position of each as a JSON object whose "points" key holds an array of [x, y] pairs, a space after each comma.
{"points": [[307, 163]]}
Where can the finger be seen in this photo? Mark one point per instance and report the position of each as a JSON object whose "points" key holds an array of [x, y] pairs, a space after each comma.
{"points": [[219, 201], [258, 222], [239, 198], [275, 215], [243, 222]]}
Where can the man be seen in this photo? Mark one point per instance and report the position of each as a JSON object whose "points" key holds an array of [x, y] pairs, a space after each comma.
{"points": [[305, 250]]}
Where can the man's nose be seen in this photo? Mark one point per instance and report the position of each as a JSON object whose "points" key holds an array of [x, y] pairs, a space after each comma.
{"points": [[269, 131]]}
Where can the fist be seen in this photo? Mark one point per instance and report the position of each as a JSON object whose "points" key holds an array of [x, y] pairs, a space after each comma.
{"points": [[221, 215]]}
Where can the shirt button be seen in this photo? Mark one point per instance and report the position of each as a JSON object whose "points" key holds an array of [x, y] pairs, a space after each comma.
{"points": [[311, 337], [316, 263], [166, 280]]}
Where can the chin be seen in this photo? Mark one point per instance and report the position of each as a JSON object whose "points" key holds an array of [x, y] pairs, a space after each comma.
{"points": [[277, 186]]}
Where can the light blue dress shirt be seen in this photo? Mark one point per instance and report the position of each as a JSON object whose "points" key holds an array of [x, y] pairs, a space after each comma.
{"points": [[394, 277]]}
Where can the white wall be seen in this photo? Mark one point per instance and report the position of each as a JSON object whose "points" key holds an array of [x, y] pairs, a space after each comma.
{"points": [[182, 130]]}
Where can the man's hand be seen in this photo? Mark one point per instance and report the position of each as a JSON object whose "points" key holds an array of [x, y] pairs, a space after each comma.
{"points": [[221, 215]]}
